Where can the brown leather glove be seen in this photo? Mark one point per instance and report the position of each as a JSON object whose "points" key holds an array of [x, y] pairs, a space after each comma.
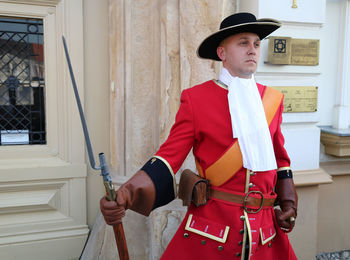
{"points": [[137, 194], [288, 202]]}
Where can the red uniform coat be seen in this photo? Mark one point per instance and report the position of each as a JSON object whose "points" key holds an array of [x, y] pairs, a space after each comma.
{"points": [[203, 123]]}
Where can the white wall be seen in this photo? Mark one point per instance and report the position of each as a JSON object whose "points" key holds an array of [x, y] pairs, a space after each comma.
{"points": [[329, 54]]}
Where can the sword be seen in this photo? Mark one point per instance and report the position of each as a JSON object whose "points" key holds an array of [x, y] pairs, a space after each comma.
{"points": [[107, 181]]}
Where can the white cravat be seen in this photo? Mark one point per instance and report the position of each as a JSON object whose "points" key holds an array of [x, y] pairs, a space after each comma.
{"points": [[249, 123]]}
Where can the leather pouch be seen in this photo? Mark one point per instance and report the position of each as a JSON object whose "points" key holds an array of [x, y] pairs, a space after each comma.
{"points": [[193, 187]]}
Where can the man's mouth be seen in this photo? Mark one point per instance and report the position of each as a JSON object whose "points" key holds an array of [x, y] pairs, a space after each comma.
{"points": [[251, 60]]}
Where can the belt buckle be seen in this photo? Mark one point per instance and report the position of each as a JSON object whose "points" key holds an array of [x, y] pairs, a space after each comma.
{"points": [[245, 200]]}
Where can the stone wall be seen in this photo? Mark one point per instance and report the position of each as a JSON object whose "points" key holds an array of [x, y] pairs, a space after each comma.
{"points": [[153, 58]]}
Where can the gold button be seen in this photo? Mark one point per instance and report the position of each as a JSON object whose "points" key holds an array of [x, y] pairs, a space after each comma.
{"points": [[270, 245], [242, 217], [186, 235], [203, 242], [241, 231], [220, 248], [240, 243], [251, 185], [238, 254], [252, 173]]}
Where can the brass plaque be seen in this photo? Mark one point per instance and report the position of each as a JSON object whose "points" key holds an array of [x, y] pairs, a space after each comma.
{"points": [[289, 51], [299, 99], [305, 52], [280, 50]]}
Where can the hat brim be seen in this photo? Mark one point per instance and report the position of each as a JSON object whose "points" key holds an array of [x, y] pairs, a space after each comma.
{"points": [[263, 27]]}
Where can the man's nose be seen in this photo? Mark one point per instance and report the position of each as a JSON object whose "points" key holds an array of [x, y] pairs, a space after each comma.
{"points": [[251, 49]]}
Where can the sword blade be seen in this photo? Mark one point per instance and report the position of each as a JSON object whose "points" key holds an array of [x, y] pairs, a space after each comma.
{"points": [[110, 191], [82, 117]]}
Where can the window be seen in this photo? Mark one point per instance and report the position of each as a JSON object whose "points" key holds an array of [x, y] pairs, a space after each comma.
{"points": [[22, 109]]}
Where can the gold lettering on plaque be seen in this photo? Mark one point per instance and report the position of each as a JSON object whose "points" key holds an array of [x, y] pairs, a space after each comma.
{"points": [[289, 51], [299, 99], [294, 4], [305, 52]]}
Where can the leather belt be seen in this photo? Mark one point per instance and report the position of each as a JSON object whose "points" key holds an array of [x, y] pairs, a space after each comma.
{"points": [[246, 201]]}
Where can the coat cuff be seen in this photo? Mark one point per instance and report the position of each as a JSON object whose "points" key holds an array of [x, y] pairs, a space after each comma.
{"points": [[163, 178], [284, 173]]}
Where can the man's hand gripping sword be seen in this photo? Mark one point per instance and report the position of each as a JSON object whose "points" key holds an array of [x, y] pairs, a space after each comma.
{"points": [[110, 192]]}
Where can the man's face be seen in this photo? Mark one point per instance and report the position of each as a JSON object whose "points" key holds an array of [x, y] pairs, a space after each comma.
{"points": [[240, 54]]}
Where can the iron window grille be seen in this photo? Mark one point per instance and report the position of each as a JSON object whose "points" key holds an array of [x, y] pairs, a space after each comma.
{"points": [[22, 83]]}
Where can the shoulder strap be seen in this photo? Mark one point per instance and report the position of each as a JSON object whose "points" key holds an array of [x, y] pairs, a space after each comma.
{"points": [[231, 161]]}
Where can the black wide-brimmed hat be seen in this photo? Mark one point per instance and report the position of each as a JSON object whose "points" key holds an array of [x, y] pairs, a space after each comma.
{"points": [[233, 24]]}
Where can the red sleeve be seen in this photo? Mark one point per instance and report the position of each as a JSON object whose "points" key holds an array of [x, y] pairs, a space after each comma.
{"points": [[181, 137], [282, 157]]}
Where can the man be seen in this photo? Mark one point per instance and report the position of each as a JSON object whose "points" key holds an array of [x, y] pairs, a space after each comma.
{"points": [[233, 126]]}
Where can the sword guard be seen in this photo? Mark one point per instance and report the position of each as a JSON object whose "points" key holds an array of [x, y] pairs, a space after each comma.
{"points": [[110, 191]]}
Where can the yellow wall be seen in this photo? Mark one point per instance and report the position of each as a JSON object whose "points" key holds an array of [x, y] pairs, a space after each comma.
{"points": [[334, 213], [96, 71]]}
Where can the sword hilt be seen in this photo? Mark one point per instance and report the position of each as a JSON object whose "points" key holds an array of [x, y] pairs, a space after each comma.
{"points": [[107, 180]]}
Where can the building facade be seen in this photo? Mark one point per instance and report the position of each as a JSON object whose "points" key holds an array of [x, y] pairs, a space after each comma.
{"points": [[132, 59]]}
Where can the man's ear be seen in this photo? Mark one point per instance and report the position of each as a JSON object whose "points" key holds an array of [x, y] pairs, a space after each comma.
{"points": [[220, 51]]}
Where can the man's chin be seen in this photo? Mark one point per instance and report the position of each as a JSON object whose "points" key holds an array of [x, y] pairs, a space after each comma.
{"points": [[248, 75]]}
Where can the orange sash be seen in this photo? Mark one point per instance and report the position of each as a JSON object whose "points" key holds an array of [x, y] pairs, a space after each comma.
{"points": [[231, 161]]}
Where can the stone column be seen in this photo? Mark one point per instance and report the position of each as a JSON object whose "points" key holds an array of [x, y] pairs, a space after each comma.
{"points": [[341, 107], [152, 59]]}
